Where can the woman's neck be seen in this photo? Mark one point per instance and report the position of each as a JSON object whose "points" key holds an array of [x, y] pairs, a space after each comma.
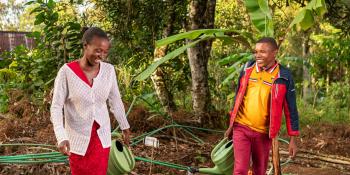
{"points": [[86, 66]]}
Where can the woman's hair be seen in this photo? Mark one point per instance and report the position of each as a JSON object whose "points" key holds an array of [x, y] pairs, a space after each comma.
{"points": [[90, 33]]}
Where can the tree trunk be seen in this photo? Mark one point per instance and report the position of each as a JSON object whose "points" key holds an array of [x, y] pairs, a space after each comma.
{"points": [[163, 93], [306, 74], [201, 16]]}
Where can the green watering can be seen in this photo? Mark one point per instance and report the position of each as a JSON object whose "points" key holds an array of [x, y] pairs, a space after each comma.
{"points": [[121, 160], [222, 156]]}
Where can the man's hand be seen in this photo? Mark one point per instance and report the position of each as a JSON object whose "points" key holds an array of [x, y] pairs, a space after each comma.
{"points": [[229, 132], [126, 136], [292, 147], [64, 147]]}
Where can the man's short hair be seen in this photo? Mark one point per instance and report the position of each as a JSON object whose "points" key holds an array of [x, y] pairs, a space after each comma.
{"points": [[272, 42]]}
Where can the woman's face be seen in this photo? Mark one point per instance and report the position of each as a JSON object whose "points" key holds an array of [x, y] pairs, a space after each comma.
{"points": [[96, 50]]}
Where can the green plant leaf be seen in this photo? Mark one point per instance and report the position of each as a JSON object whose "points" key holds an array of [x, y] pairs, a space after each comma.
{"points": [[307, 21], [230, 59], [233, 71], [260, 15], [191, 35], [29, 3], [39, 18], [264, 7], [235, 68], [150, 69], [321, 7], [35, 35], [51, 4], [74, 26], [37, 9], [54, 17], [305, 17]]}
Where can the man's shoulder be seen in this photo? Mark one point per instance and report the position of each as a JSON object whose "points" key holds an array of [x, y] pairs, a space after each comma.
{"points": [[248, 64], [284, 71]]}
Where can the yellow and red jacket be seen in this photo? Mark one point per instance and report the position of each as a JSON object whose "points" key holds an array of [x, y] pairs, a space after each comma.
{"points": [[282, 97]]}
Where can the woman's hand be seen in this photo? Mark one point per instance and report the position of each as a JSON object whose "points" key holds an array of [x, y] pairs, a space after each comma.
{"points": [[126, 136], [64, 147]]}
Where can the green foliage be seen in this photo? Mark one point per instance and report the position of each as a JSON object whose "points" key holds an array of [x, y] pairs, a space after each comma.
{"points": [[150, 69], [196, 36], [305, 17], [331, 58], [63, 39], [33, 71], [332, 107], [232, 15], [234, 69], [3, 101], [339, 15], [260, 15], [134, 26]]}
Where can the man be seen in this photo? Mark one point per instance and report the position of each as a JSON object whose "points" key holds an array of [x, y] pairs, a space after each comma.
{"points": [[264, 88]]}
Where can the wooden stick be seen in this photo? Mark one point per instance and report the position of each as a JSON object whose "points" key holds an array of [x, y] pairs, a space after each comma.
{"points": [[150, 168], [276, 157], [325, 155], [318, 157], [305, 162]]}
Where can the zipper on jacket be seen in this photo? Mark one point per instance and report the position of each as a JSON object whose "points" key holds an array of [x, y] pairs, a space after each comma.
{"points": [[273, 82]]}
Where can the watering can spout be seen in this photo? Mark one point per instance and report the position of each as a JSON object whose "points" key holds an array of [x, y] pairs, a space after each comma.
{"points": [[215, 170], [222, 157]]}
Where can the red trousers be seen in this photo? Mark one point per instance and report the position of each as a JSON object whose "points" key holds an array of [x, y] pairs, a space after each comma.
{"points": [[250, 145], [95, 161]]}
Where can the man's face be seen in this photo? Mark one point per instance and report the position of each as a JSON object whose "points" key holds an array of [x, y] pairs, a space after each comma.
{"points": [[264, 54], [96, 50]]}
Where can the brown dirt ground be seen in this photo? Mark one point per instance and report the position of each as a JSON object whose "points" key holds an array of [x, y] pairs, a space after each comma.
{"points": [[28, 125], [326, 138]]}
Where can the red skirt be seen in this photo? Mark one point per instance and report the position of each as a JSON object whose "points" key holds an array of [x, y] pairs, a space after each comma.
{"points": [[95, 161]]}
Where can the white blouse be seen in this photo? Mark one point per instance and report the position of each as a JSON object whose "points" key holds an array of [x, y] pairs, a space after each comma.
{"points": [[80, 105]]}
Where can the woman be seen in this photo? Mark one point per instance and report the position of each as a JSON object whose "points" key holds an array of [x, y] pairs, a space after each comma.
{"points": [[81, 91]]}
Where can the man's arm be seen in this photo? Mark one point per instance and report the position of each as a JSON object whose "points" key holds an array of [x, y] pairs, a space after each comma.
{"points": [[292, 117], [293, 149]]}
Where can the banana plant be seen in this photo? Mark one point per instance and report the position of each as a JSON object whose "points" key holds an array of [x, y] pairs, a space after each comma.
{"points": [[196, 36], [235, 61], [260, 15], [306, 16]]}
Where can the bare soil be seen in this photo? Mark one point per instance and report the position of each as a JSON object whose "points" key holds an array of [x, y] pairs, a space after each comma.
{"points": [[25, 124]]}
